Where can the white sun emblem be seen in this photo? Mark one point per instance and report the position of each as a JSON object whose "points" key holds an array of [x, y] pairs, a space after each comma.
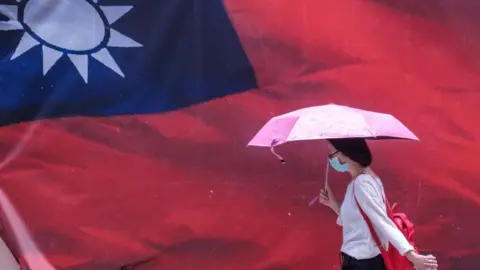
{"points": [[77, 28]]}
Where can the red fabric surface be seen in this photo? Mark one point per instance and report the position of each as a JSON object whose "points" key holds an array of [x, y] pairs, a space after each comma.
{"points": [[181, 191]]}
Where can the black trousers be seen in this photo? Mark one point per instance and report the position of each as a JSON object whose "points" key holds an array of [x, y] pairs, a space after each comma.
{"points": [[350, 263]]}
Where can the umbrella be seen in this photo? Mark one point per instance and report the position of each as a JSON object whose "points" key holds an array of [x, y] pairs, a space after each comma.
{"points": [[329, 121]]}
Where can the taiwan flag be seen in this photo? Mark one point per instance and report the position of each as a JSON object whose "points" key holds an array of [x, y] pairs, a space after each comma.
{"points": [[123, 126]]}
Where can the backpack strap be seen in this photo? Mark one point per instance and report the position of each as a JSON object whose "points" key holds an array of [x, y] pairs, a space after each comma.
{"points": [[369, 223]]}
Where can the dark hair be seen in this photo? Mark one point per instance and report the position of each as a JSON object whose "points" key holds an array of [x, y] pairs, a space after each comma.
{"points": [[355, 148]]}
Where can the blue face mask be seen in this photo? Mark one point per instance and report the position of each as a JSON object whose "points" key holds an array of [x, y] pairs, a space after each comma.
{"points": [[337, 166]]}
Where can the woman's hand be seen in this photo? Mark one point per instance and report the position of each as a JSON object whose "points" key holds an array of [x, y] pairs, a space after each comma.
{"points": [[326, 198], [422, 262]]}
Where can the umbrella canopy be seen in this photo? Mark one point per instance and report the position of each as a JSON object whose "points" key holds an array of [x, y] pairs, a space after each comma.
{"points": [[329, 122]]}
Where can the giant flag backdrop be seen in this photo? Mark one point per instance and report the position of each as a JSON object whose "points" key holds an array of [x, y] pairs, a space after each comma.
{"points": [[124, 125]]}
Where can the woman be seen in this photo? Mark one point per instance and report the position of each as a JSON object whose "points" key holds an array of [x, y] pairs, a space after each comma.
{"points": [[359, 250]]}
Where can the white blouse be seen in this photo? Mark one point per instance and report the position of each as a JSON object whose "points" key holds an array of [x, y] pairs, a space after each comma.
{"points": [[357, 239]]}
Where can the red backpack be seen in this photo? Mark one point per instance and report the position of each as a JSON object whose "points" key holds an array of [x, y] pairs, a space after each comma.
{"points": [[392, 258]]}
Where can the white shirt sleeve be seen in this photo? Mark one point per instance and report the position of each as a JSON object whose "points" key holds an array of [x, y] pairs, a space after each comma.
{"points": [[374, 207]]}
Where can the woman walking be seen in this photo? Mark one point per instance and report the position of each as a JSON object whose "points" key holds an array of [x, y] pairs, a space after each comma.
{"points": [[359, 251]]}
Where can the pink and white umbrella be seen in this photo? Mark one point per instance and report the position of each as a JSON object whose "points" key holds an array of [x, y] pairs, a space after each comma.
{"points": [[329, 122]]}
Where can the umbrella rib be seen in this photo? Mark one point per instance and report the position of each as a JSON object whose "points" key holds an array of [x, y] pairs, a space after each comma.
{"points": [[374, 135], [371, 132], [290, 132]]}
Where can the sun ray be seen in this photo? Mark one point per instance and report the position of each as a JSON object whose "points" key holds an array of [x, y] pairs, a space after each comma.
{"points": [[10, 11], [104, 57], [26, 43], [119, 40], [10, 25], [113, 13], [50, 57], [80, 61]]}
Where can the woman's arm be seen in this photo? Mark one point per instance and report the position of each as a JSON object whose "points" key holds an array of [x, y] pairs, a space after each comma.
{"points": [[374, 207]]}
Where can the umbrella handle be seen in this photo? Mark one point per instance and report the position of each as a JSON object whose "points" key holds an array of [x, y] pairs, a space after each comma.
{"points": [[313, 201]]}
